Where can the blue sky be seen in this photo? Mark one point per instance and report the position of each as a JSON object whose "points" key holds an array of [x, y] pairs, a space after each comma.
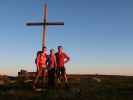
{"points": [[97, 34]]}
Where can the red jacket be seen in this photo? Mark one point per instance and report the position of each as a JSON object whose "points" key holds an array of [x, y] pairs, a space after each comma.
{"points": [[52, 61], [41, 59], [61, 59]]}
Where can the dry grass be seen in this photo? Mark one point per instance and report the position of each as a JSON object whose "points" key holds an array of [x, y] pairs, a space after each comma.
{"points": [[80, 88]]}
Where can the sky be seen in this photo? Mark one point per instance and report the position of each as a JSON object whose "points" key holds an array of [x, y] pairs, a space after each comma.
{"points": [[97, 35]]}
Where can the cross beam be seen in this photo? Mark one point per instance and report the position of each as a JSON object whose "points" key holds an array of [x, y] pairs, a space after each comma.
{"points": [[45, 23], [49, 23]]}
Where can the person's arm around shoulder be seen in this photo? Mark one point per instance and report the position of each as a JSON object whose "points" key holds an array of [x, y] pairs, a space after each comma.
{"points": [[47, 61]]}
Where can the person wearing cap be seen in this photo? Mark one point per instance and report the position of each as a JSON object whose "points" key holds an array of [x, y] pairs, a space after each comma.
{"points": [[51, 68], [61, 58], [41, 65]]}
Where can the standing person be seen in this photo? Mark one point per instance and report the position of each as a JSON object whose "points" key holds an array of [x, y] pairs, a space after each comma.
{"points": [[41, 66], [62, 58], [51, 68]]}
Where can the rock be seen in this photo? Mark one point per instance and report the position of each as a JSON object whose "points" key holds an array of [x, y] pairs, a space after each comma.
{"points": [[97, 79]]}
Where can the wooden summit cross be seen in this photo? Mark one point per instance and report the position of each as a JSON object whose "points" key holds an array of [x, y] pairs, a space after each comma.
{"points": [[45, 23]]}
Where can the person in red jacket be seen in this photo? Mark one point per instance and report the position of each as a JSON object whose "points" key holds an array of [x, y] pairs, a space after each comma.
{"points": [[41, 65], [51, 68], [61, 58]]}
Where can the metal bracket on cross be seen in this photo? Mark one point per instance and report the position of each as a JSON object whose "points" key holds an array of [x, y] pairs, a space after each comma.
{"points": [[45, 23]]}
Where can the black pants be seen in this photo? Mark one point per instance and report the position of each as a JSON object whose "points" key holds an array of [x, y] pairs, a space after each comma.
{"points": [[60, 71], [51, 77]]}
